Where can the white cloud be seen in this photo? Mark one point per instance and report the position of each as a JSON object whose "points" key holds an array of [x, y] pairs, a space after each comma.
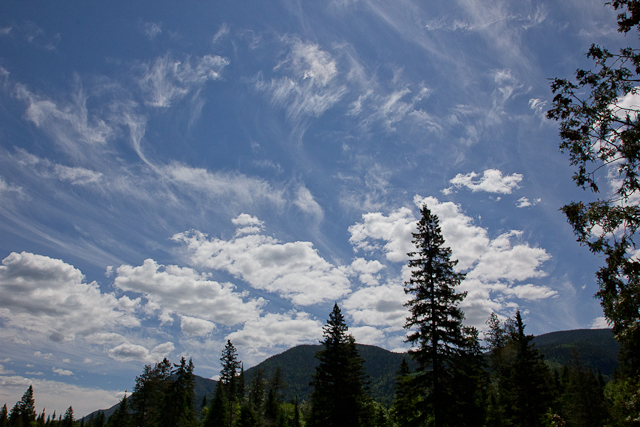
{"points": [[127, 352], [492, 181], [169, 80], [293, 270], [380, 306], [261, 336], [46, 295], [307, 204], [492, 266], [152, 29], [186, 292], [600, 323], [43, 355], [222, 32], [366, 270], [195, 326], [63, 372], [310, 86], [523, 202], [77, 175], [5, 188], [70, 125], [367, 335], [395, 229], [238, 189]]}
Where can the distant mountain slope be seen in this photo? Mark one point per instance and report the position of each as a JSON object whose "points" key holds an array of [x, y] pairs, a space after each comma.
{"points": [[596, 348], [299, 363]]}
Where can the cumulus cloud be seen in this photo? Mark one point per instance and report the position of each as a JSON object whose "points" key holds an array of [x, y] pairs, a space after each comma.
{"points": [[493, 267], [366, 270], [127, 352], [63, 372], [169, 80], [394, 229], [293, 270], [380, 306], [523, 202], [195, 326], [46, 295], [309, 86], [260, 336], [600, 323], [492, 181], [186, 292]]}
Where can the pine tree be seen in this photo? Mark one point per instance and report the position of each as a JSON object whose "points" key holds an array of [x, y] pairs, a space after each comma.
{"points": [[217, 414], [526, 390], [15, 416], [28, 407], [229, 376], [148, 393], [179, 401], [406, 407], [121, 416], [339, 381], [68, 420], [435, 321], [4, 416]]}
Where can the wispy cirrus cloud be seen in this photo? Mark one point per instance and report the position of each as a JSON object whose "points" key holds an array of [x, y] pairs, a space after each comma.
{"points": [[168, 80], [308, 85]]}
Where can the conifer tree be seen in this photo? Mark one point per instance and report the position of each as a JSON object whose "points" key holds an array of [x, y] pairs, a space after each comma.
{"points": [[148, 393], [28, 407], [68, 420], [218, 411], [229, 376], [339, 381], [179, 402], [406, 408], [4, 416], [435, 320], [526, 388], [121, 416]]}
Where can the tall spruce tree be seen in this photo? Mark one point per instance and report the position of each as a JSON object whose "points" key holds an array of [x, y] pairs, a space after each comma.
{"points": [[179, 402], [339, 381], [526, 389], [435, 320], [148, 393], [229, 377]]}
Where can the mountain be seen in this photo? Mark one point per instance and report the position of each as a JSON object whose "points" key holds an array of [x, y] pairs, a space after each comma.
{"points": [[299, 363], [596, 348]]}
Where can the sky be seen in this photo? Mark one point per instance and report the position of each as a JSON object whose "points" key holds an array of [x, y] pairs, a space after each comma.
{"points": [[173, 176]]}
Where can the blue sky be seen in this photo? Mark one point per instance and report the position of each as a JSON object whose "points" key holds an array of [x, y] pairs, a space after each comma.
{"points": [[173, 177]]}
